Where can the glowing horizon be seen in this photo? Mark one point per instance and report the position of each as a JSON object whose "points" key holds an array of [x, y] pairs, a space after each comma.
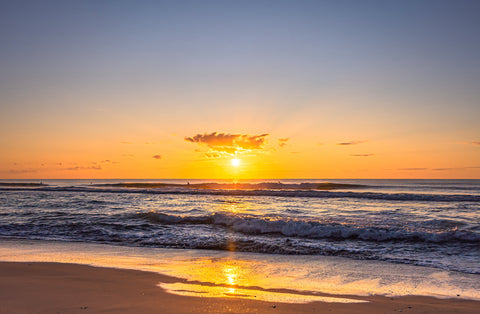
{"points": [[293, 90]]}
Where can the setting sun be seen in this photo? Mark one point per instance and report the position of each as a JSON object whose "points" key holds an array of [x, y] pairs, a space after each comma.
{"points": [[235, 162]]}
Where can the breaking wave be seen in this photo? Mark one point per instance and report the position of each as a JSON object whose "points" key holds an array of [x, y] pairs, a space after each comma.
{"points": [[432, 231]]}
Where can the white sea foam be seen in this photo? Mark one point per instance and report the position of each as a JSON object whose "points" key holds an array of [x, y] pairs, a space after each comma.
{"points": [[444, 231]]}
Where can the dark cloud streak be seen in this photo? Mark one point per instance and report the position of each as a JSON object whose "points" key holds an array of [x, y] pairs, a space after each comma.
{"points": [[362, 155], [23, 170], [351, 143], [84, 168]]}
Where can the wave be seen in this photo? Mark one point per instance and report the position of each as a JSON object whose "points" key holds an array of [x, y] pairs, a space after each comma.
{"points": [[239, 186], [441, 232], [436, 242], [267, 192], [22, 184]]}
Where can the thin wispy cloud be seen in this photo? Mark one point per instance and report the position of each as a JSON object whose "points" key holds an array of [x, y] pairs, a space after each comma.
{"points": [[84, 168], [23, 170], [108, 161], [361, 155], [351, 143], [438, 169]]}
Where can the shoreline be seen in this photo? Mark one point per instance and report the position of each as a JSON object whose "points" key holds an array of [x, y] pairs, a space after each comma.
{"points": [[325, 276], [40, 287]]}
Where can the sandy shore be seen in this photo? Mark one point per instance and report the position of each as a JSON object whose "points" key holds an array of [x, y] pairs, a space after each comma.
{"points": [[71, 288]]}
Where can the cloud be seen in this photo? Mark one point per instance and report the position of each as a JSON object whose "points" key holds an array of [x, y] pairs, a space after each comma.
{"points": [[449, 168], [84, 168], [23, 170], [361, 155], [351, 143], [283, 141], [438, 169], [108, 161], [457, 168], [474, 143], [157, 156], [231, 144], [213, 155]]}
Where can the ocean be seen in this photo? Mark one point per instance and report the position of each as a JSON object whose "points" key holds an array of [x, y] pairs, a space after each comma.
{"points": [[434, 223]]}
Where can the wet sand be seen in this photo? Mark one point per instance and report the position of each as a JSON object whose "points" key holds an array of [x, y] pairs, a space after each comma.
{"points": [[71, 288]]}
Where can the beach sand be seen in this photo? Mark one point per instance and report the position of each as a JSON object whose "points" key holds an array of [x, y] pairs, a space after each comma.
{"points": [[72, 288]]}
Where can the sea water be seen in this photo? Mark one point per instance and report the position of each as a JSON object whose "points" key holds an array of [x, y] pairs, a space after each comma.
{"points": [[434, 223]]}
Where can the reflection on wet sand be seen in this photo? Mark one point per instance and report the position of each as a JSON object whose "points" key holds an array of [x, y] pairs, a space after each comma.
{"points": [[277, 278], [230, 274], [197, 290]]}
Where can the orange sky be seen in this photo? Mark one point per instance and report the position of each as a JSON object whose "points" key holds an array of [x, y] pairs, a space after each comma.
{"points": [[174, 156], [296, 90]]}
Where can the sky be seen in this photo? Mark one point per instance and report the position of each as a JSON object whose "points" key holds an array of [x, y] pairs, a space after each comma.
{"points": [[289, 89]]}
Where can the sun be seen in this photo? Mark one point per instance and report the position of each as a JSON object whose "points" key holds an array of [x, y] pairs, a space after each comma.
{"points": [[235, 162]]}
